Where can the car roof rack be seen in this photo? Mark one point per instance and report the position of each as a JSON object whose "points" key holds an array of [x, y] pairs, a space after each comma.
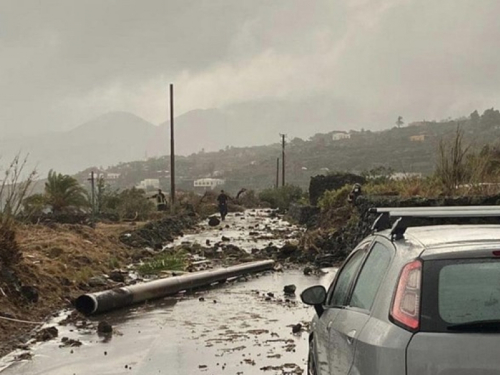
{"points": [[405, 217]]}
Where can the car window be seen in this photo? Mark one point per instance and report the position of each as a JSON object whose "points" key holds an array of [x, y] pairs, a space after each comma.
{"points": [[469, 292], [371, 277], [460, 291], [344, 280]]}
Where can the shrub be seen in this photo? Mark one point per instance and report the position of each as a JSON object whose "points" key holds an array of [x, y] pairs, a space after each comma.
{"points": [[334, 198], [282, 197], [163, 262], [133, 204], [13, 191]]}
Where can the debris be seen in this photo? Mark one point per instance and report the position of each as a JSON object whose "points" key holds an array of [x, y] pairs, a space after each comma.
{"points": [[225, 239], [297, 328], [46, 334], [30, 293], [104, 327], [290, 289], [24, 356], [213, 221], [117, 276], [67, 342], [270, 294], [97, 281], [201, 299], [308, 271]]}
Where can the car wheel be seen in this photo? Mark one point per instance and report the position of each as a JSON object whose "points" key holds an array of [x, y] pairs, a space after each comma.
{"points": [[311, 366]]}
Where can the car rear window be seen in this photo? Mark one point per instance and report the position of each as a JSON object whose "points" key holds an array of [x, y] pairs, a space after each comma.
{"points": [[457, 292]]}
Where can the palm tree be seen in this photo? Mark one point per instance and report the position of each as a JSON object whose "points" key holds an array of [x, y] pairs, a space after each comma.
{"points": [[63, 192]]}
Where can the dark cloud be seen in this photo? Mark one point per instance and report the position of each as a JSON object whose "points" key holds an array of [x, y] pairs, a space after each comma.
{"points": [[64, 62]]}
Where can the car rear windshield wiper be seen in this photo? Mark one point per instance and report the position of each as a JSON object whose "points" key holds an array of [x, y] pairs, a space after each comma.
{"points": [[478, 325]]}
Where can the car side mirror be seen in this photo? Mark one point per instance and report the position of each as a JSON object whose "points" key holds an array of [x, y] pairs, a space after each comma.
{"points": [[314, 296]]}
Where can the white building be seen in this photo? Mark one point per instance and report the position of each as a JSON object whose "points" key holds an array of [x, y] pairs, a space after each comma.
{"points": [[208, 183], [149, 184], [340, 135], [113, 176]]}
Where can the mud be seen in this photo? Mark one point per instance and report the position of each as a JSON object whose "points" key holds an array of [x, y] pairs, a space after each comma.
{"points": [[246, 326], [236, 328]]}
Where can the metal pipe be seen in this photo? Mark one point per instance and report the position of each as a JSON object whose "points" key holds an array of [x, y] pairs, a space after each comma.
{"points": [[95, 303]]}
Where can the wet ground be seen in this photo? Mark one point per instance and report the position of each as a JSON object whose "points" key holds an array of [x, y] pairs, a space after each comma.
{"points": [[253, 229], [244, 327]]}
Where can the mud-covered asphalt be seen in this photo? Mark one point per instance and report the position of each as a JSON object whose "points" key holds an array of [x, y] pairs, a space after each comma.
{"points": [[243, 327]]}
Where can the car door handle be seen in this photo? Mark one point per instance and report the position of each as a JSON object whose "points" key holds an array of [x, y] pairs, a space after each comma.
{"points": [[350, 336]]}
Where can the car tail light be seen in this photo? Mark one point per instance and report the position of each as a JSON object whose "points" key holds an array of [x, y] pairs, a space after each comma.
{"points": [[406, 305]]}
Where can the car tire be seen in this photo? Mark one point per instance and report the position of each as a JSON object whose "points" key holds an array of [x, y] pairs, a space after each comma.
{"points": [[311, 366]]}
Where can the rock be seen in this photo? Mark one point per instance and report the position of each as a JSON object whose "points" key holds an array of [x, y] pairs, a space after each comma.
{"points": [[30, 293], [201, 299], [270, 294], [290, 289], [308, 271], [225, 239], [207, 242], [297, 328], [213, 221], [67, 342], [253, 233], [104, 327], [97, 281], [46, 334], [117, 276], [24, 356], [287, 250]]}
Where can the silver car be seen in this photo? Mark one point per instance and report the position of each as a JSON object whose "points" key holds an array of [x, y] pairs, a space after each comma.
{"points": [[419, 300]]}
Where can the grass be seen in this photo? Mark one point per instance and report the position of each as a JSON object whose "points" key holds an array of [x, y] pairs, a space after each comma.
{"points": [[163, 262]]}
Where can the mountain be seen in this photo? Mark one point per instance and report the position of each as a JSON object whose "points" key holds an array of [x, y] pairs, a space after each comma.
{"points": [[255, 123], [109, 139]]}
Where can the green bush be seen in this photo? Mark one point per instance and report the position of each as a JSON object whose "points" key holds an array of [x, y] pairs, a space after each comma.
{"points": [[163, 262], [334, 198], [282, 197], [133, 204]]}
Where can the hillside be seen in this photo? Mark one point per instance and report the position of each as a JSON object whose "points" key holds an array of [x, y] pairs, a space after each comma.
{"points": [[407, 149]]}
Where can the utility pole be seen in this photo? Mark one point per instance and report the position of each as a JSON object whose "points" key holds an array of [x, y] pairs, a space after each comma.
{"points": [[92, 195], [277, 173], [172, 150], [283, 158]]}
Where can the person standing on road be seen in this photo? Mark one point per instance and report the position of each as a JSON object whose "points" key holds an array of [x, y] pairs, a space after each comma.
{"points": [[161, 200], [222, 199]]}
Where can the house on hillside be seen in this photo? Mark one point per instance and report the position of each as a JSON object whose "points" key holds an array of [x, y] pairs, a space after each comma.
{"points": [[340, 135], [113, 176], [149, 184], [208, 183], [418, 138]]}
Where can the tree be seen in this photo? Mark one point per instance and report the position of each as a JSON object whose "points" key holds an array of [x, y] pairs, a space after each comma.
{"points": [[475, 118], [133, 204], [400, 122], [63, 192]]}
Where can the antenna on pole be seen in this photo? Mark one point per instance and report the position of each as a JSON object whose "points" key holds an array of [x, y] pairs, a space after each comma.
{"points": [[172, 150]]}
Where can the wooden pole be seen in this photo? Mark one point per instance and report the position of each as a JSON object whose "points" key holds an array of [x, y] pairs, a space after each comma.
{"points": [[172, 150]]}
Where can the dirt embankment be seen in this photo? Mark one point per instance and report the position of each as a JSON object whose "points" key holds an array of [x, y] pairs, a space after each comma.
{"points": [[59, 261]]}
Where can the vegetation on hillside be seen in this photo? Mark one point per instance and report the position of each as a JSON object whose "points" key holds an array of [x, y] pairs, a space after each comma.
{"points": [[409, 148]]}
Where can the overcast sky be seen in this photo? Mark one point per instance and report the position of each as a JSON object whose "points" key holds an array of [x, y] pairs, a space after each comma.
{"points": [[64, 62]]}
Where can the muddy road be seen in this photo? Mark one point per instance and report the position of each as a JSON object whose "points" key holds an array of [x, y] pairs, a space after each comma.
{"points": [[243, 327]]}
